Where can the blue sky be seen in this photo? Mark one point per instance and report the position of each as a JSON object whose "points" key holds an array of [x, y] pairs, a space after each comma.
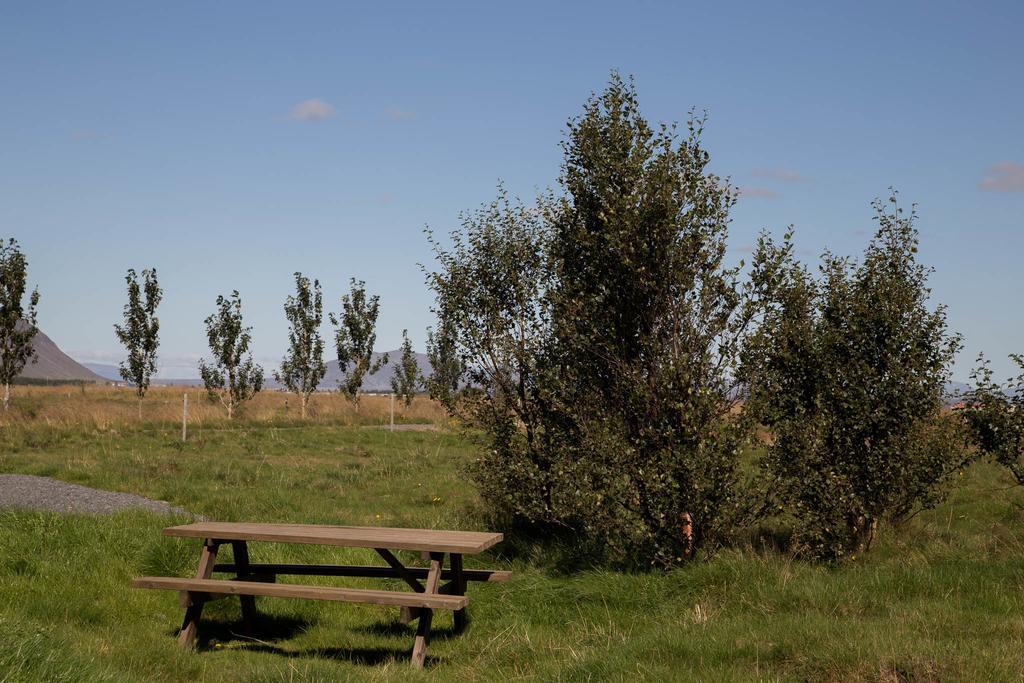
{"points": [[231, 144]]}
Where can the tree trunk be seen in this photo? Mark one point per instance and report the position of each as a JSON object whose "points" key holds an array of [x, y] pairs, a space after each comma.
{"points": [[302, 408], [862, 528], [231, 405], [686, 529], [7, 395], [140, 409]]}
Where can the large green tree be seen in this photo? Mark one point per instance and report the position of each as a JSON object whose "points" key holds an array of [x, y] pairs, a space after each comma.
{"points": [[303, 366], [232, 377], [602, 328], [847, 371], [140, 333], [17, 322], [354, 337]]}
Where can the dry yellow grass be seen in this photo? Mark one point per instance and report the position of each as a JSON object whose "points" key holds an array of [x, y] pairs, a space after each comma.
{"points": [[105, 406]]}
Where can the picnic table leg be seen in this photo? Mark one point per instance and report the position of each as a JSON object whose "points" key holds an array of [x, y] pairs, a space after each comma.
{"points": [[419, 648], [459, 588], [407, 614], [194, 606], [241, 553]]}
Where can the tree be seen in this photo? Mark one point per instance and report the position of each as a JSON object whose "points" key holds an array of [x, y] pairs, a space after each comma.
{"points": [[17, 323], [303, 367], [602, 328], [492, 330], [647, 322], [406, 379], [994, 416], [355, 337], [140, 333], [446, 367], [230, 378], [847, 371]]}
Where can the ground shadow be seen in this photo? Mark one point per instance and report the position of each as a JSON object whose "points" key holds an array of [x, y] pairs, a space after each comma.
{"points": [[270, 630], [396, 629], [267, 627], [368, 656], [771, 539]]}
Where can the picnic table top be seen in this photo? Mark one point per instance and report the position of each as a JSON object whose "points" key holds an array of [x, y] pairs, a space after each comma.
{"points": [[430, 540]]}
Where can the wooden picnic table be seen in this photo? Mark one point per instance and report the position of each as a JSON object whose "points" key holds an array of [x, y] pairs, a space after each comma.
{"points": [[253, 579]]}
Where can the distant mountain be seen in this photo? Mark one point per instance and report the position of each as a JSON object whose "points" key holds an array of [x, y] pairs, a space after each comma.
{"points": [[111, 372], [186, 382], [955, 390], [54, 364], [380, 381]]}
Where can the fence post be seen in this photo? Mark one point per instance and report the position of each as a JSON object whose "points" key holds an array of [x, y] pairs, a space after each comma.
{"points": [[184, 418]]}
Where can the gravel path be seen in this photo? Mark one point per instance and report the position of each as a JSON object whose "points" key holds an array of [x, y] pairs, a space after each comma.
{"points": [[43, 493], [405, 427]]}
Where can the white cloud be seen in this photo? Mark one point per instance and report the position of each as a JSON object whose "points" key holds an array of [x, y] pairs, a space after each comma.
{"points": [[97, 356], [88, 135], [382, 199], [1006, 176], [781, 174], [762, 192], [313, 109], [396, 114]]}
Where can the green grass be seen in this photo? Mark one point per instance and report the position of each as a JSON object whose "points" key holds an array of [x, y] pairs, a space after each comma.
{"points": [[939, 599]]}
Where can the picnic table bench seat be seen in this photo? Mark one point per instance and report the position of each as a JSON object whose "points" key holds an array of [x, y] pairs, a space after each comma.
{"points": [[218, 587], [259, 579]]}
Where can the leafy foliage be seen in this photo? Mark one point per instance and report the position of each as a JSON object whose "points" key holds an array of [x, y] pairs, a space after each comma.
{"points": [[406, 379], [303, 367], [230, 377], [492, 315], [446, 366], [140, 333], [601, 328], [17, 322], [847, 372], [355, 337], [492, 332], [994, 416]]}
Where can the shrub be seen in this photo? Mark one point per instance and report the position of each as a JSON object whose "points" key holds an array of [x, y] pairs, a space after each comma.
{"points": [[601, 329], [994, 417], [847, 372]]}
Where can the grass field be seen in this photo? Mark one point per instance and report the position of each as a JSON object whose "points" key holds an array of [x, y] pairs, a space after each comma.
{"points": [[110, 406], [939, 599]]}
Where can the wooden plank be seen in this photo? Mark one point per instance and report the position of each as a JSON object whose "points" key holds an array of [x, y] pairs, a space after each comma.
{"points": [[194, 608], [406, 614], [241, 552], [285, 590], [426, 540], [400, 569], [419, 647], [458, 588], [489, 575]]}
